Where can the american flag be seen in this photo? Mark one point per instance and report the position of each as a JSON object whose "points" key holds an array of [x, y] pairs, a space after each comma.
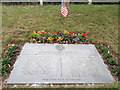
{"points": [[64, 10]]}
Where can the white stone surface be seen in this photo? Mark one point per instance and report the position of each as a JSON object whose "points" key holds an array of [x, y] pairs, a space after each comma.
{"points": [[59, 63]]}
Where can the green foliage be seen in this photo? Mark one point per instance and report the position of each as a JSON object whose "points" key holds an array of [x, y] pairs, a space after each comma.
{"points": [[102, 48], [116, 70], [3, 70], [11, 51], [12, 48], [6, 60], [107, 55], [111, 61]]}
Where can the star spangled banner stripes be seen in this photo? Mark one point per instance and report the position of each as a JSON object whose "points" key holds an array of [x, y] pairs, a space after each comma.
{"points": [[64, 10]]}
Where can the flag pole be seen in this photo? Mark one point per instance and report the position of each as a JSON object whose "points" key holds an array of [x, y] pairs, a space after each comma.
{"points": [[62, 1], [41, 2]]}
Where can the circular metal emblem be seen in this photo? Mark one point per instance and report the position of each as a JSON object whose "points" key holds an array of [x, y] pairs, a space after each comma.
{"points": [[60, 47]]}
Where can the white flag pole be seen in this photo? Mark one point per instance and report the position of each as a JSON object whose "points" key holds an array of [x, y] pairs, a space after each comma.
{"points": [[90, 1], [62, 0], [67, 3], [41, 2]]}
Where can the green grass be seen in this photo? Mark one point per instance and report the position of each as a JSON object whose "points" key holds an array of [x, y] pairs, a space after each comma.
{"points": [[101, 21]]}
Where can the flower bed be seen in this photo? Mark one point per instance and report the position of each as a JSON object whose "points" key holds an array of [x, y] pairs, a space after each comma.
{"points": [[109, 59], [58, 37], [7, 59]]}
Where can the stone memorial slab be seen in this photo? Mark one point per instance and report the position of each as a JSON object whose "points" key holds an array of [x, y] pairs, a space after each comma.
{"points": [[59, 64]]}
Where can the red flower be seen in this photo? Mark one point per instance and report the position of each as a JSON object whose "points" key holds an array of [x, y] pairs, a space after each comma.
{"points": [[83, 34], [43, 32], [71, 33], [52, 31]]}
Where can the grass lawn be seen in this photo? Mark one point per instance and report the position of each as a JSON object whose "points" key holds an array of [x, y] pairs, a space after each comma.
{"points": [[101, 21]]}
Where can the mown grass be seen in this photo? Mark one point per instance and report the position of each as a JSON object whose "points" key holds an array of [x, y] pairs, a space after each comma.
{"points": [[101, 21]]}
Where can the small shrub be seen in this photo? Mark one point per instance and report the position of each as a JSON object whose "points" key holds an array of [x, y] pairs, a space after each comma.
{"points": [[3, 70], [9, 54], [111, 61], [12, 48], [115, 62], [116, 70], [11, 51], [103, 48], [6, 60], [107, 55]]}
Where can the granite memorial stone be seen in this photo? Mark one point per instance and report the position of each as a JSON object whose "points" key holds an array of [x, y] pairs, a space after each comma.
{"points": [[59, 64]]}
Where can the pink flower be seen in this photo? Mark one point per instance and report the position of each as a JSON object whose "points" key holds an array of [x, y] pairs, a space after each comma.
{"points": [[44, 38]]}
